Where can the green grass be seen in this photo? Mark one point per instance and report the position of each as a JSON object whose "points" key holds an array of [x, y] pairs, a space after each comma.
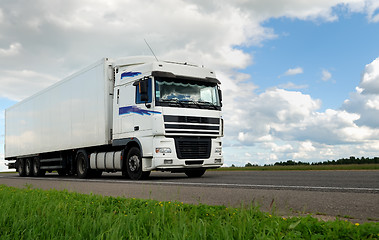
{"points": [[303, 167], [39, 214]]}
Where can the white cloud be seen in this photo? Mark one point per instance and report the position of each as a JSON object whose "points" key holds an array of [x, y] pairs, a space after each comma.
{"points": [[1, 16], [326, 75], [304, 151], [373, 103], [13, 49], [366, 98], [293, 71], [370, 78], [17, 85], [331, 127], [371, 8], [285, 148]]}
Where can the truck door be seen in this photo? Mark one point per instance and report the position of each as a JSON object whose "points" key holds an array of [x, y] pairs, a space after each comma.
{"points": [[123, 119], [143, 120]]}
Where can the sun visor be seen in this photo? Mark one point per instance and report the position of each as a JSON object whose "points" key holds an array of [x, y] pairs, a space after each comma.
{"points": [[171, 75]]}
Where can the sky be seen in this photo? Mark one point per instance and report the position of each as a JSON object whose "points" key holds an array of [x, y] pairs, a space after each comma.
{"points": [[300, 79]]}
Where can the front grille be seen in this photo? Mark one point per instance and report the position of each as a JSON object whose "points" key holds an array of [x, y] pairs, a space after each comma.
{"points": [[191, 119], [193, 148], [191, 125]]}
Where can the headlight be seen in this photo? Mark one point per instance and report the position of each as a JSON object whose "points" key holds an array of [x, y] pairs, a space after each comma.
{"points": [[218, 150], [163, 150]]}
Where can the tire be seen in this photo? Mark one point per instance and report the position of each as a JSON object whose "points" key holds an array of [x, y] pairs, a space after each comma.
{"points": [[125, 173], [29, 167], [37, 171], [82, 164], [134, 165], [123, 167], [21, 167], [195, 173]]}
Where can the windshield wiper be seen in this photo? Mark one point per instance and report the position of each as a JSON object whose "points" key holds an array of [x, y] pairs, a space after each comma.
{"points": [[208, 103], [190, 102], [172, 101]]}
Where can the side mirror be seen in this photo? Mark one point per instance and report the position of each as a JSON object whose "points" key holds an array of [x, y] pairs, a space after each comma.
{"points": [[143, 90], [220, 96]]}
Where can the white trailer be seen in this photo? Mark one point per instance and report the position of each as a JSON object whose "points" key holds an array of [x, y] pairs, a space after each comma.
{"points": [[132, 115]]}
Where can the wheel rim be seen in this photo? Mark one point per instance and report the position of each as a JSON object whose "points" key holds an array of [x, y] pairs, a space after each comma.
{"points": [[20, 168], [28, 167], [35, 166], [134, 163], [81, 165]]}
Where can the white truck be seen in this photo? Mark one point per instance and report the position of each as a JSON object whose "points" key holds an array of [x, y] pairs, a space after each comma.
{"points": [[132, 115]]}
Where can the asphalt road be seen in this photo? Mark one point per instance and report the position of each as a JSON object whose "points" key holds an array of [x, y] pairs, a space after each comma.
{"points": [[326, 194]]}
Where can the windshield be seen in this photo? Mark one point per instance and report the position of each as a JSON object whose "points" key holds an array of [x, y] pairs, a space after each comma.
{"points": [[183, 93]]}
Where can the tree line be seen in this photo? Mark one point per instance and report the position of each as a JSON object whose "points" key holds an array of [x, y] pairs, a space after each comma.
{"points": [[350, 160]]}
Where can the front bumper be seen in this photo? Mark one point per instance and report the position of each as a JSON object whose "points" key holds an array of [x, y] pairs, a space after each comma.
{"points": [[171, 162]]}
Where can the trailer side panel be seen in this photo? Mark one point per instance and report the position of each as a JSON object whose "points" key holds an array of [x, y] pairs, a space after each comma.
{"points": [[73, 113]]}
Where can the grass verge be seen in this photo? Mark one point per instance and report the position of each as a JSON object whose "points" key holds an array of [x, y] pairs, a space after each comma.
{"points": [[303, 167], [39, 214]]}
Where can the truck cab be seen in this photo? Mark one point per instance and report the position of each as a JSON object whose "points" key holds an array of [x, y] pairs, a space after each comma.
{"points": [[173, 111]]}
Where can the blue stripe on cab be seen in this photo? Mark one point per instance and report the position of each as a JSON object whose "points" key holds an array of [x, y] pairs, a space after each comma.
{"points": [[135, 109], [130, 74]]}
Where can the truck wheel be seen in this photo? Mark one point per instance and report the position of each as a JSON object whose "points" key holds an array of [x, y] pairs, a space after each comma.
{"points": [[195, 173], [125, 173], [134, 165], [21, 167], [82, 165], [29, 167], [37, 171]]}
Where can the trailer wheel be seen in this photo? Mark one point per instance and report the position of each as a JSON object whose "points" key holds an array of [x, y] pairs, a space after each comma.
{"points": [[82, 165], [134, 165], [21, 167], [37, 171], [195, 173], [29, 167]]}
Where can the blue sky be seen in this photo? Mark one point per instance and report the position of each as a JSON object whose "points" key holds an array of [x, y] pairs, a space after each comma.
{"points": [[300, 78], [342, 47]]}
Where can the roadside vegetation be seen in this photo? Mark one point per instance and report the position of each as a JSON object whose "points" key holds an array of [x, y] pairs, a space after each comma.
{"points": [[351, 163], [39, 214], [301, 167]]}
